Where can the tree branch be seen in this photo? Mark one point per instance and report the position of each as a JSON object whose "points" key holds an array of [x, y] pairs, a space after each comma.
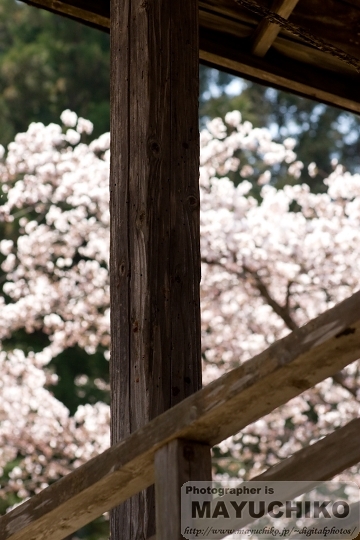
{"points": [[338, 378], [282, 311]]}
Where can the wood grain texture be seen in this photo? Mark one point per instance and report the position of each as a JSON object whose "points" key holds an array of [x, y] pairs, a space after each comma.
{"points": [[292, 365], [287, 45], [155, 225], [313, 58], [297, 67], [176, 463], [280, 71], [92, 13], [315, 464], [335, 21], [311, 466], [266, 32], [322, 460]]}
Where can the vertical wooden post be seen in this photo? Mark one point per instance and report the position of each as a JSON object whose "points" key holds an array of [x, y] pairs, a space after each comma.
{"points": [[176, 463], [154, 206]]}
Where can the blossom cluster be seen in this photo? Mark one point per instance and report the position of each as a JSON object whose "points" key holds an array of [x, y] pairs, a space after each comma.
{"points": [[268, 266], [56, 274], [37, 427]]}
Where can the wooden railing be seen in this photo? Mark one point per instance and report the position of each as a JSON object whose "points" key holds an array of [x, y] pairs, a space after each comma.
{"points": [[161, 451]]}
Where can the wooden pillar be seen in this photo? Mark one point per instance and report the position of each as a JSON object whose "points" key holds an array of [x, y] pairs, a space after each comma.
{"points": [[154, 205], [175, 464]]}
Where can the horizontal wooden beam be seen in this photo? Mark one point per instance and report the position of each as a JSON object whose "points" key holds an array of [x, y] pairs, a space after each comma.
{"points": [[311, 466], [234, 55], [78, 11], [266, 33], [316, 463], [225, 43], [322, 460], [350, 522], [290, 366]]}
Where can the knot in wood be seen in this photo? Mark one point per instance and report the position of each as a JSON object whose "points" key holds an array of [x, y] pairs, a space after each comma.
{"points": [[193, 202], [140, 219], [122, 269], [135, 327], [154, 148], [345, 332]]}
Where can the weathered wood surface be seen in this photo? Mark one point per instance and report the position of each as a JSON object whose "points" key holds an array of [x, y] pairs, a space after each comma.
{"points": [[155, 223], [322, 460], [332, 20], [266, 33], [225, 43], [350, 522], [311, 466], [91, 12], [176, 463], [317, 463], [233, 55], [299, 361]]}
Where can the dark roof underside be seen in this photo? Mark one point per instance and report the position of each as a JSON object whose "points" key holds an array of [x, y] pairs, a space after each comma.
{"points": [[236, 40]]}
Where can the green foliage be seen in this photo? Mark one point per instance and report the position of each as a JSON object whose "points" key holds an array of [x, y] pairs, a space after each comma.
{"points": [[11, 498], [323, 134], [82, 378], [96, 530], [47, 64]]}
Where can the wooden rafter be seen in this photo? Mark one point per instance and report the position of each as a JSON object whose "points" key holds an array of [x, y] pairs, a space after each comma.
{"points": [[342, 451], [292, 365], [309, 465], [224, 44], [266, 33], [78, 12], [280, 70]]}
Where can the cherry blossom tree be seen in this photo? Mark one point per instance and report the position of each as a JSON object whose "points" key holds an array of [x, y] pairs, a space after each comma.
{"points": [[269, 264]]}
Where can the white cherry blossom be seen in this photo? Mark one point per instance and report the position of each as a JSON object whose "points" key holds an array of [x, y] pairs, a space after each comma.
{"points": [[265, 271]]}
